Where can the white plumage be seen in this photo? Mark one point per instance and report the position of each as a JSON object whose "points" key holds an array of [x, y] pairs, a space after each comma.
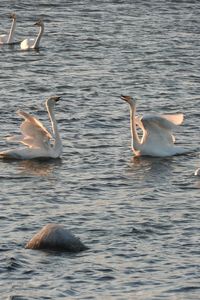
{"points": [[38, 141], [33, 43], [8, 38], [197, 172], [157, 138]]}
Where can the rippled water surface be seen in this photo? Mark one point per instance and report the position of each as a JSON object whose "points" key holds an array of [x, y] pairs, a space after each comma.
{"points": [[139, 217]]}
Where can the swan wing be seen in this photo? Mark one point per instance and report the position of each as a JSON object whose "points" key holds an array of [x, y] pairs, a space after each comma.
{"points": [[141, 126], [26, 140], [139, 122], [158, 129], [27, 43], [177, 119], [14, 138], [33, 131], [159, 120], [3, 38]]}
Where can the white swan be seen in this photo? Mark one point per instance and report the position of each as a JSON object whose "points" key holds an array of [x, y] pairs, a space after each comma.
{"points": [[31, 43], [157, 139], [36, 137], [55, 237], [8, 38], [197, 172]]}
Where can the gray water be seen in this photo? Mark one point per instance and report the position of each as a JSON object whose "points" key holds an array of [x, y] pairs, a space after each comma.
{"points": [[139, 217]]}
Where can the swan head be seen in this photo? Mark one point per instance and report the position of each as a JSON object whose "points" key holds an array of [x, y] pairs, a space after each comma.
{"points": [[128, 99], [12, 16], [52, 100], [39, 23]]}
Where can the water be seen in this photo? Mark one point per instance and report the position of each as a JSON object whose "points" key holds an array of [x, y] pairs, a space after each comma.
{"points": [[140, 217]]}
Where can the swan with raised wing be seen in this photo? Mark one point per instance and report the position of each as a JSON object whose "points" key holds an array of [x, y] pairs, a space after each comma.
{"points": [[157, 139], [33, 43], [8, 38], [38, 141]]}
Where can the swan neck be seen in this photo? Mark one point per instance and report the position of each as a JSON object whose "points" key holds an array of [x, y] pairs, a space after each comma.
{"points": [[11, 33], [37, 41], [57, 143], [135, 139]]}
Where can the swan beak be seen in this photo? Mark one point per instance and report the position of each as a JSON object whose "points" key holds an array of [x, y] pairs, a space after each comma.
{"points": [[126, 98], [57, 98], [12, 16], [38, 23]]}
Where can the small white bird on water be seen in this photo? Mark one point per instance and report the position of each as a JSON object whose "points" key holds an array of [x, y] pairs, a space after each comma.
{"points": [[55, 237], [33, 43], [6, 39], [197, 172], [157, 139], [38, 141]]}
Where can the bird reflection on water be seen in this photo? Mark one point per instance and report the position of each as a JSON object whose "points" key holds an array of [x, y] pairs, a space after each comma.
{"points": [[151, 167], [154, 162], [39, 167]]}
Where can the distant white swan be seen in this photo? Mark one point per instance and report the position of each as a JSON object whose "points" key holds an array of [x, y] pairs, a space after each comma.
{"points": [[55, 237], [197, 172], [157, 139], [8, 38], [31, 43], [36, 137]]}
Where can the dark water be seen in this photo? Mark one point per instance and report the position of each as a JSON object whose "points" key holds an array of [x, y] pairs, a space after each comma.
{"points": [[140, 217]]}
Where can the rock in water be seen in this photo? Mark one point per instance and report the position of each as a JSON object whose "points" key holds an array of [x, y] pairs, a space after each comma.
{"points": [[55, 237]]}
